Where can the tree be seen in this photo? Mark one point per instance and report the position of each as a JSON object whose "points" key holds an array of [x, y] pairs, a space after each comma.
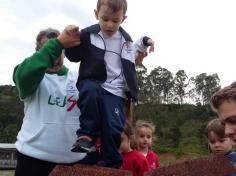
{"points": [[162, 83], [10, 133], [180, 85], [205, 86], [212, 85], [174, 135], [143, 84]]}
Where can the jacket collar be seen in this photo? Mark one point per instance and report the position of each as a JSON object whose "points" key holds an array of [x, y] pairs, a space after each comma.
{"points": [[96, 29]]}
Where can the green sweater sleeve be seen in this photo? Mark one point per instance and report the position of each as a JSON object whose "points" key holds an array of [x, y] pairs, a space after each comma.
{"points": [[28, 75]]}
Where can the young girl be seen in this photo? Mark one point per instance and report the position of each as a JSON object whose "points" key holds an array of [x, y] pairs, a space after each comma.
{"points": [[218, 142], [144, 132], [133, 160]]}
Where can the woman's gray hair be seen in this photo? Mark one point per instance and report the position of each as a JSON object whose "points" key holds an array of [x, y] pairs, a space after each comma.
{"points": [[49, 33]]}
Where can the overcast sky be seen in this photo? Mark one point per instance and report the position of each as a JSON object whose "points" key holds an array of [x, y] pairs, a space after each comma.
{"points": [[198, 36]]}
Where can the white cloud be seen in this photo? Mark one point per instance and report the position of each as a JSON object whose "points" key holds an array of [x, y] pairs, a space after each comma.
{"points": [[197, 36]]}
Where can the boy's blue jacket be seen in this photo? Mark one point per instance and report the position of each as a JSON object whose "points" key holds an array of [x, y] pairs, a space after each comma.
{"points": [[231, 155], [90, 53]]}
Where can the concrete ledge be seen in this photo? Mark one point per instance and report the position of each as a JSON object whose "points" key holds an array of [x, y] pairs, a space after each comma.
{"points": [[87, 170], [215, 165]]}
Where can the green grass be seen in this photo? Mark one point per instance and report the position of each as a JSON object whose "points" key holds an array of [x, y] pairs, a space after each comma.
{"points": [[7, 172]]}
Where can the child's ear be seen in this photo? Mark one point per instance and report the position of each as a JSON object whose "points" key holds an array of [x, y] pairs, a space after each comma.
{"points": [[96, 14], [124, 18]]}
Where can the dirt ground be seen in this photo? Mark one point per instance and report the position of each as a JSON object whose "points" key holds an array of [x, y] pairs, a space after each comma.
{"points": [[169, 158]]}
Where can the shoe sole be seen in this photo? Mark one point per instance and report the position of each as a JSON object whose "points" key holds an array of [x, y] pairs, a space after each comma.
{"points": [[80, 149]]}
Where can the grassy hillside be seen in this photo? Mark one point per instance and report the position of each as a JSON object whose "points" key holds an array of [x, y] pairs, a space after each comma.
{"points": [[179, 128]]}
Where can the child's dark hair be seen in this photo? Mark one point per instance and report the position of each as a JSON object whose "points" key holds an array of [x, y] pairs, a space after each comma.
{"points": [[225, 94], [215, 126], [49, 33], [115, 5]]}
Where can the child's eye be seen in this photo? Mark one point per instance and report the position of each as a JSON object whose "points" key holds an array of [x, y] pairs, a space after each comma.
{"points": [[105, 19], [230, 120], [116, 21], [212, 142], [223, 140]]}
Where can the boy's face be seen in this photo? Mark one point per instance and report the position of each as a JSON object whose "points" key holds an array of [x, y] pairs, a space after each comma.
{"points": [[227, 114], [144, 137], [219, 145], [108, 20]]}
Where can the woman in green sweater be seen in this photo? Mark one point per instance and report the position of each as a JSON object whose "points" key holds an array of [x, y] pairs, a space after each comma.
{"points": [[48, 91]]}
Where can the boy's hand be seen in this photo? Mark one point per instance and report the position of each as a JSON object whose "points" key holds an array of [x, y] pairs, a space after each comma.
{"points": [[70, 36], [140, 55], [151, 44]]}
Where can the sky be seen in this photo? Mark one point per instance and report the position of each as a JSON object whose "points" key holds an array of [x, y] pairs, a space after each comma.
{"points": [[197, 36]]}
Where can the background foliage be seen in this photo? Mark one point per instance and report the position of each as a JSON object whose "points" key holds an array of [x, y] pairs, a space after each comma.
{"points": [[176, 104]]}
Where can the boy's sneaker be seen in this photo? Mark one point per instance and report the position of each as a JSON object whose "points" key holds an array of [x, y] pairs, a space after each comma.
{"points": [[84, 144]]}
